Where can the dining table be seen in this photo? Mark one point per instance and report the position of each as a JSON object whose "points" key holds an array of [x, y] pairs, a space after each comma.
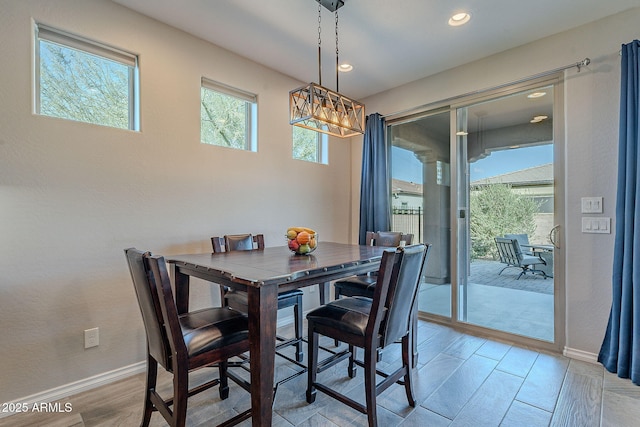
{"points": [[262, 274]]}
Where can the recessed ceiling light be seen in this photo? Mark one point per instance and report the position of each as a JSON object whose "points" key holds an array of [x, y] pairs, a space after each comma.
{"points": [[345, 68], [538, 119], [536, 95], [459, 19]]}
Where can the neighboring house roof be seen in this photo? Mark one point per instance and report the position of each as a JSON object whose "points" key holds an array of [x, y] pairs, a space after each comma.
{"points": [[537, 175], [405, 187]]}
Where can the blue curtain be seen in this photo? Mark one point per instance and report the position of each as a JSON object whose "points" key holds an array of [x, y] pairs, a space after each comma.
{"points": [[375, 209], [620, 350]]}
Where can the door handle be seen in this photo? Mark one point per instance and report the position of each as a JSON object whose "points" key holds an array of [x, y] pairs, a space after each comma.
{"points": [[553, 234]]}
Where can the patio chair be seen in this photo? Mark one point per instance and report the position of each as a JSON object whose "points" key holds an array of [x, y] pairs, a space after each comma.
{"points": [[523, 241], [511, 254]]}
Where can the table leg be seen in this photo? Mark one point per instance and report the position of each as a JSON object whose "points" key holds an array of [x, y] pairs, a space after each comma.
{"points": [[325, 292], [263, 307], [181, 290]]}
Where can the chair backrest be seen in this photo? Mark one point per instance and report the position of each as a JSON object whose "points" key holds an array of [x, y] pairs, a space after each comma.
{"points": [[150, 307], [387, 238], [396, 292], [509, 251], [237, 242], [172, 328], [523, 240]]}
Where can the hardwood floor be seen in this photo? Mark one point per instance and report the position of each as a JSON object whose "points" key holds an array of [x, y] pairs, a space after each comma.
{"points": [[461, 380]]}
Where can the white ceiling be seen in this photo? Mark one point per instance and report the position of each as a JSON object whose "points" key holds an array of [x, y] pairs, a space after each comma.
{"points": [[389, 42]]}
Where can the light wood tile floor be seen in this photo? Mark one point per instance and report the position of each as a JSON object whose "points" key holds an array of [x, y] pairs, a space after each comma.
{"points": [[461, 380]]}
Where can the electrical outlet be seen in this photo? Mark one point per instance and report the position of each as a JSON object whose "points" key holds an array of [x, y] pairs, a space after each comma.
{"points": [[91, 337]]}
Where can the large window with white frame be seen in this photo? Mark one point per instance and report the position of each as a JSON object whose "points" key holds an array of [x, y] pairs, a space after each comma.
{"points": [[228, 116], [84, 80], [309, 145]]}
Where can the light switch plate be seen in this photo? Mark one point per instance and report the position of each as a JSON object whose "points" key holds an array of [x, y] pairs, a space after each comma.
{"points": [[596, 225], [591, 205]]}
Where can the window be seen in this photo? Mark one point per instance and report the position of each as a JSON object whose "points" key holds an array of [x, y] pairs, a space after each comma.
{"points": [[309, 145], [78, 79], [228, 116]]}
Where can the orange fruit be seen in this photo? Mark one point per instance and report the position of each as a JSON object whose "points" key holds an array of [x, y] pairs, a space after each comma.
{"points": [[303, 237]]}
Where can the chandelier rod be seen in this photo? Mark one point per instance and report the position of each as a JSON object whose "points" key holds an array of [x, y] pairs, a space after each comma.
{"points": [[319, 44], [337, 62]]}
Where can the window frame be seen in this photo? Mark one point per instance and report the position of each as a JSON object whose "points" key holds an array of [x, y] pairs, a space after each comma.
{"points": [[251, 112], [43, 32]]}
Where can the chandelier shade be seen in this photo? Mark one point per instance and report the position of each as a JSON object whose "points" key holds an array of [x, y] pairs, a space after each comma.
{"points": [[324, 110]]}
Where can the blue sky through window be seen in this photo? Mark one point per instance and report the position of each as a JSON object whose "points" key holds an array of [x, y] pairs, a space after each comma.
{"points": [[405, 166]]}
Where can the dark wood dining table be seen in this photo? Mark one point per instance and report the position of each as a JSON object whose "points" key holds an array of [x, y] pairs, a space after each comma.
{"points": [[262, 274]]}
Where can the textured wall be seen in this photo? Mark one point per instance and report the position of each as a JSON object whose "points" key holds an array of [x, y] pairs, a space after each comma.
{"points": [[73, 195]]}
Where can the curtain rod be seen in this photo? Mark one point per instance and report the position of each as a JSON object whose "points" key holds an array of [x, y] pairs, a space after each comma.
{"points": [[579, 65]]}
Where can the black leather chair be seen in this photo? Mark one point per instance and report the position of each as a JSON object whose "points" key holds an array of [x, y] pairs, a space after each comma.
{"points": [[371, 324], [183, 343], [238, 299], [363, 285]]}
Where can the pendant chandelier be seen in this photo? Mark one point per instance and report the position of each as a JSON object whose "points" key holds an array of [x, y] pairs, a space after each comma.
{"points": [[321, 109]]}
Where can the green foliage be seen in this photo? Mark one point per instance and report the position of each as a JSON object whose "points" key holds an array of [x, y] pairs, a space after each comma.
{"points": [[76, 85], [223, 120], [305, 144], [496, 210]]}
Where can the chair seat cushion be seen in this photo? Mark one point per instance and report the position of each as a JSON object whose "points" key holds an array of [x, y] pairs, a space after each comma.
{"points": [[357, 286], [531, 260], [212, 328], [347, 314]]}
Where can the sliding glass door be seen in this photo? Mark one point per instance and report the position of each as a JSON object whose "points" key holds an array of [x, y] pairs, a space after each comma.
{"points": [[421, 199], [506, 213], [464, 177]]}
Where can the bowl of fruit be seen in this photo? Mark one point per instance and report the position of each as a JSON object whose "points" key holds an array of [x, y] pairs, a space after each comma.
{"points": [[302, 240]]}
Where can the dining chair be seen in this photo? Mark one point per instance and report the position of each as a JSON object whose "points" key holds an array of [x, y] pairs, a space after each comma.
{"points": [[363, 285], [183, 343], [239, 299], [371, 324]]}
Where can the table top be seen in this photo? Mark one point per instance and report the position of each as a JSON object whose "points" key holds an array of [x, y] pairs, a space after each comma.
{"points": [[277, 265]]}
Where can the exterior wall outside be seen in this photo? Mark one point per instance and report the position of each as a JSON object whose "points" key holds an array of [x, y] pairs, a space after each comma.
{"points": [[591, 119], [73, 195]]}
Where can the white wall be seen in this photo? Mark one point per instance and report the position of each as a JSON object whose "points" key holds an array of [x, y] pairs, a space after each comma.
{"points": [[73, 195], [591, 113]]}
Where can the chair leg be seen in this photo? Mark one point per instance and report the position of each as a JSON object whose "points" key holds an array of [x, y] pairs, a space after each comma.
{"points": [[312, 361], [337, 297], [370, 357], [414, 340], [351, 369], [297, 314], [152, 376], [180, 395], [406, 362], [224, 379]]}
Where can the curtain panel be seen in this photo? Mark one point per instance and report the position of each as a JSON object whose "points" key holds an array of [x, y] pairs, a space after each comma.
{"points": [[620, 352], [375, 204]]}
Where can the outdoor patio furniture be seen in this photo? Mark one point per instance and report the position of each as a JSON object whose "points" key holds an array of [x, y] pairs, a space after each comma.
{"points": [[523, 241], [511, 254]]}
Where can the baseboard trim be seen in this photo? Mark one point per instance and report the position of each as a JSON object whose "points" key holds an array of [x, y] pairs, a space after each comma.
{"points": [[584, 356], [79, 386]]}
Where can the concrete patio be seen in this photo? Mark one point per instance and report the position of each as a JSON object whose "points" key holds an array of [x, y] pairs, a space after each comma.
{"points": [[499, 301]]}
